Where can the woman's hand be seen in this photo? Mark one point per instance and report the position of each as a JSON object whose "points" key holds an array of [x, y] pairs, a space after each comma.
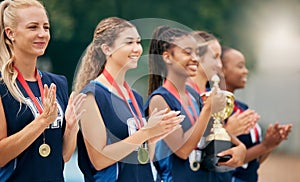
{"points": [[285, 130], [275, 134], [74, 111], [50, 106], [237, 153], [216, 100], [241, 123], [161, 123]]}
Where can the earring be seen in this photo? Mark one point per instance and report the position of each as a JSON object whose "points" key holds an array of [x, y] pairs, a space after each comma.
{"points": [[12, 39], [168, 61]]}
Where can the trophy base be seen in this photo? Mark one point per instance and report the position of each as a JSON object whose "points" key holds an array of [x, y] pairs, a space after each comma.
{"points": [[210, 160]]}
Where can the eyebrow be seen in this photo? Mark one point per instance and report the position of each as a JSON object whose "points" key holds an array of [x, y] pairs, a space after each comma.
{"points": [[132, 38], [36, 23]]}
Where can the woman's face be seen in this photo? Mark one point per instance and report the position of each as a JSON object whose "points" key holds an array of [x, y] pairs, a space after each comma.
{"points": [[211, 63], [235, 70], [183, 57], [31, 36], [127, 49]]}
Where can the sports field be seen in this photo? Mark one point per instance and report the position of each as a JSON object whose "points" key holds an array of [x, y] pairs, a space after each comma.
{"points": [[280, 168]]}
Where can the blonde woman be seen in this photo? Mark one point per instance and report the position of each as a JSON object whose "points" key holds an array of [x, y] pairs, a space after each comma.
{"points": [[38, 126]]}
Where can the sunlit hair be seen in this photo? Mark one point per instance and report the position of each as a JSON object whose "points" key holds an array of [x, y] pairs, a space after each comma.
{"points": [[94, 60], [9, 18], [199, 34], [163, 39]]}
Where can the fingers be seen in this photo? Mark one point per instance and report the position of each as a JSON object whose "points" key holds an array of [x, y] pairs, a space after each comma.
{"points": [[49, 103], [46, 90], [71, 98], [171, 114], [160, 112], [49, 95], [74, 111]]}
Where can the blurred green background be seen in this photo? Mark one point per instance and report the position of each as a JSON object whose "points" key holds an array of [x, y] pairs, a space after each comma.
{"points": [[73, 23]]}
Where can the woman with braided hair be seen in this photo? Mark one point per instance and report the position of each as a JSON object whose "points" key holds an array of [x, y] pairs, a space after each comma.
{"points": [[116, 142], [174, 57]]}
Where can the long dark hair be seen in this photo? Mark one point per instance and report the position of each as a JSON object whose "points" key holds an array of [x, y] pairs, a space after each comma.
{"points": [[93, 61], [162, 40]]}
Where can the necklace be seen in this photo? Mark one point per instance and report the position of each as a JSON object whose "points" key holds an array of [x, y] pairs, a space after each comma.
{"points": [[44, 149], [143, 153]]}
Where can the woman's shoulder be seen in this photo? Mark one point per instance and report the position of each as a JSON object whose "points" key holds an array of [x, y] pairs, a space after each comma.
{"points": [[54, 78], [241, 104], [95, 86], [163, 93]]}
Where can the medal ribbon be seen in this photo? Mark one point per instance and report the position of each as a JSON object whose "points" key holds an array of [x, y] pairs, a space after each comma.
{"points": [[29, 91], [236, 108], [170, 87], [194, 86], [110, 79]]}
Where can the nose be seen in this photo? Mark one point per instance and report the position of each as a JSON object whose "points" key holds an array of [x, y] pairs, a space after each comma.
{"points": [[219, 63], [42, 32], [137, 47], [246, 70], [195, 57]]}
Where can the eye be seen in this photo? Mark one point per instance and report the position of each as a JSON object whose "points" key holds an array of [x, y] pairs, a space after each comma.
{"points": [[46, 27], [201, 50], [187, 51], [241, 66], [129, 42], [32, 27]]}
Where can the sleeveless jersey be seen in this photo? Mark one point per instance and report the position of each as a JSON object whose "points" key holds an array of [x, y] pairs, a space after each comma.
{"points": [[119, 124], [248, 172], [29, 165], [169, 166]]}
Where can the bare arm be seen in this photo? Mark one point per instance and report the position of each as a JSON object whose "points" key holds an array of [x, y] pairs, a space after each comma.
{"points": [[182, 143], [94, 131], [72, 115], [275, 134], [12, 146]]}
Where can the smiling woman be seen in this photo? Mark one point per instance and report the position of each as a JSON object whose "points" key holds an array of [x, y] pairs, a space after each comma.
{"points": [[116, 142], [38, 125]]}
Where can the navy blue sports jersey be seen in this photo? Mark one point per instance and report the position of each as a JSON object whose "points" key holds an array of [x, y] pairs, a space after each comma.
{"points": [[248, 172], [169, 166], [119, 124], [29, 165]]}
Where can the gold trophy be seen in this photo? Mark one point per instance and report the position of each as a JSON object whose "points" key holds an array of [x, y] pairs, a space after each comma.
{"points": [[218, 140]]}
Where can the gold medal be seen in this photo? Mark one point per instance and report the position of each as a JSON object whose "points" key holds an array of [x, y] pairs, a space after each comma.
{"points": [[143, 155], [44, 150]]}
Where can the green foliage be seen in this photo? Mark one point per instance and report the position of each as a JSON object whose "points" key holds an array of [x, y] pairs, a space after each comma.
{"points": [[73, 23]]}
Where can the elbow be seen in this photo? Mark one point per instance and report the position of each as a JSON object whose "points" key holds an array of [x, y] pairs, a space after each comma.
{"points": [[66, 158], [182, 154], [3, 162], [100, 165]]}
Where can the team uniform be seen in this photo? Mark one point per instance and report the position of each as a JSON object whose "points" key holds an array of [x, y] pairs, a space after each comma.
{"points": [[248, 172], [119, 124], [30, 165], [169, 166]]}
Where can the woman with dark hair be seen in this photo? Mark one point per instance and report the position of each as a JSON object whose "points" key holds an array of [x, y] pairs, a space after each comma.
{"points": [[258, 149], [174, 57], [116, 142]]}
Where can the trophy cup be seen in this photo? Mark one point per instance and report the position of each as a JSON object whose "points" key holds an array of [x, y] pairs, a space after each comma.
{"points": [[218, 140]]}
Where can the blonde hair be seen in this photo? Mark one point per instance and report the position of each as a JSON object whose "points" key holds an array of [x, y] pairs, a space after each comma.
{"points": [[9, 18], [93, 60]]}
